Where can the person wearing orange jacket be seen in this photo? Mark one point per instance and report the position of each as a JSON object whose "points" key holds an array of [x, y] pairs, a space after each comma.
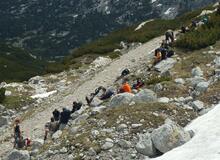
{"points": [[125, 87]]}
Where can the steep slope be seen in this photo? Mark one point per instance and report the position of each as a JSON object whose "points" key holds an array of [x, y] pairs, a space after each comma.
{"points": [[17, 64], [54, 27]]}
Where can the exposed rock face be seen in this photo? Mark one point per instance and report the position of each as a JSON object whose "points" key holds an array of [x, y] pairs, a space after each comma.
{"points": [[197, 72], [18, 155], [4, 120], [145, 95], [121, 99], [169, 136], [165, 65], [145, 145]]}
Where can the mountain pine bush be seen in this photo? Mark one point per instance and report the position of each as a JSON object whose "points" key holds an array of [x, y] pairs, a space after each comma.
{"points": [[2, 94], [204, 36]]}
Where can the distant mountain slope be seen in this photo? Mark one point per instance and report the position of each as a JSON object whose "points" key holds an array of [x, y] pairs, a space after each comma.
{"points": [[53, 27], [17, 64]]}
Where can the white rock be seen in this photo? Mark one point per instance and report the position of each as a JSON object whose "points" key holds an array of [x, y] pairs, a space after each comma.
{"points": [[145, 145], [145, 95], [169, 136], [134, 126], [18, 155], [64, 150], [121, 99], [179, 81], [158, 87], [36, 144], [217, 62], [57, 134], [165, 65], [197, 72], [198, 105], [108, 144], [202, 87], [163, 100], [95, 133], [122, 127]]}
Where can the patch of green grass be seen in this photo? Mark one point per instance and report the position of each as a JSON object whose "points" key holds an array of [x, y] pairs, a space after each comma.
{"points": [[204, 36], [155, 79]]}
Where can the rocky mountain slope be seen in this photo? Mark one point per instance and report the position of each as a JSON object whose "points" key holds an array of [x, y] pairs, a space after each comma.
{"points": [[52, 28]]}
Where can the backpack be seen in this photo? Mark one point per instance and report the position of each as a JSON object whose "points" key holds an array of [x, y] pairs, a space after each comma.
{"points": [[125, 72]]}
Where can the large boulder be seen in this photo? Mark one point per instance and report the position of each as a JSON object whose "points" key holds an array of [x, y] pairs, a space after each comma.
{"points": [[121, 99], [145, 95], [38, 143], [196, 80], [169, 136], [145, 145], [18, 155], [202, 87], [4, 120], [197, 105], [197, 72], [165, 65]]}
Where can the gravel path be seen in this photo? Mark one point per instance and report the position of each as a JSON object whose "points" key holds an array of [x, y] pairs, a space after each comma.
{"points": [[34, 126]]}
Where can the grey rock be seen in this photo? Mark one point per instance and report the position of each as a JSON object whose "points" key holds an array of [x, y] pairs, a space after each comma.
{"points": [[169, 136], [57, 134], [145, 145], [197, 105], [74, 130], [158, 87], [163, 100], [18, 155], [63, 150], [36, 144], [122, 127], [124, 144], [91, 152], [202, 87], [2, 108], [217, 62], [70, 157], [197, 72], [134, 126], [108, 144], [196, 80], [96, 102], [4, 120], [179, 81], [145, 95], [81, 118], [95, 133], [121, 99], [165, 65]]}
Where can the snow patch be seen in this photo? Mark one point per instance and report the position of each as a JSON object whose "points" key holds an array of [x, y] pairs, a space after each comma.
{"points": [[206, 142], [142, 24], [44, 95], [168, 11]]}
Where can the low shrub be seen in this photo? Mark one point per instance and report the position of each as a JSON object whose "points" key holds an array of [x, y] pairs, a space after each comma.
{"points": [[2, 94]]}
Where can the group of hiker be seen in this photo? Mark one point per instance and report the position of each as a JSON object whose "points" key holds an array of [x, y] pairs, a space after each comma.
{"points": [[19, 140], [60, 119], [103, 93], [164, 51]]}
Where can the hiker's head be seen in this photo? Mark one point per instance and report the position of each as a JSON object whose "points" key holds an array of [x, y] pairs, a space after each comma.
{"points": [[74, 103], [52, 119], [138, 80], [17, 121], [64, 109]]}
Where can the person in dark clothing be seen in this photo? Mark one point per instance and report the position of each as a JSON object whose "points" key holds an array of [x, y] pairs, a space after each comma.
{"points": [[164, 44], [90, 98], [107, 93], [124, 73], [218, 10], [163, 53], [65, 116], [139, 83], [56, 115], [170, 53], [76, 106], [183, 29], [17, 133]]}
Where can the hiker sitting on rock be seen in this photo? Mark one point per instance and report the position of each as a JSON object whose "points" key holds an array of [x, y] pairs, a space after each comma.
{"points": [[56, 115], [64, 118], [90, 98], [50, 128], [107, 93], [169, 36], [139, 83], [17, 133], [124, 73], [125, 87], [76, 106]]}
